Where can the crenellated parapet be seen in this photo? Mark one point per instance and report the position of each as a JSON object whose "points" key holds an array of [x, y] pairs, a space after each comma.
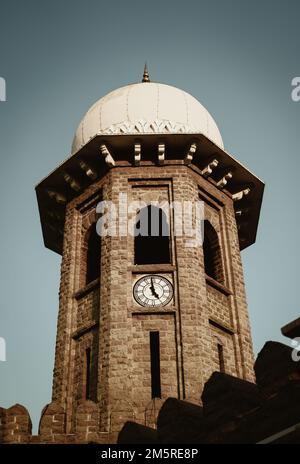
{"points": [[234, 410], [15, 425]]}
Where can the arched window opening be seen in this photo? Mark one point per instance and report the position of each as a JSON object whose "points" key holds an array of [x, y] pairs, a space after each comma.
{"points": [[152, 241], [93, 255], [212, 253]]}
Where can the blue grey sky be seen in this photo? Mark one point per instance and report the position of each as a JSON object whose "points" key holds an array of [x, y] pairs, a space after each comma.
{"points": [[58, 57]]}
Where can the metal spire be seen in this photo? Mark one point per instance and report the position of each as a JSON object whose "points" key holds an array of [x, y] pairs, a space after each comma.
{"points": [[146, 77]]}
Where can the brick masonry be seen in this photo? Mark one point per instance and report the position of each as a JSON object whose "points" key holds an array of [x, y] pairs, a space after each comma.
{"points": [[103, 316], [114, 326]]}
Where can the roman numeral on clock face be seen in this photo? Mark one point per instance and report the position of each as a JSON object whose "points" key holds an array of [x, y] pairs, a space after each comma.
{"points": [[153, 291]]}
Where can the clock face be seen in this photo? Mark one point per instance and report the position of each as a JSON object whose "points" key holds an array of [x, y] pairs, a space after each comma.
{"points": [[153, 291]]}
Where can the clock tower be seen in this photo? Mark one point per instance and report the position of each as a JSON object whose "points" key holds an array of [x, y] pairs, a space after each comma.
{"points": [[146, 311]]}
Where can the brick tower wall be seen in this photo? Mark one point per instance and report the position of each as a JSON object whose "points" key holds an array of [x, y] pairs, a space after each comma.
{"points": [[103, 316]]}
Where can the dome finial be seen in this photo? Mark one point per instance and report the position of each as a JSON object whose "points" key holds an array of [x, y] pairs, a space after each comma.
{"points": [[146, 77]]}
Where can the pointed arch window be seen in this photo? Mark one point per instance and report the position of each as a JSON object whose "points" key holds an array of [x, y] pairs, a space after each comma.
{"points": [[212, 253], [152, 237]]}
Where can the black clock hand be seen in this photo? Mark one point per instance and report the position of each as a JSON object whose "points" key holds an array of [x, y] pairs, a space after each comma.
{"points": [[153, 289]]}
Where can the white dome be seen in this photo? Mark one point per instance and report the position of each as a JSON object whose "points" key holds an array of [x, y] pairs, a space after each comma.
{"points": [[146, 108]]}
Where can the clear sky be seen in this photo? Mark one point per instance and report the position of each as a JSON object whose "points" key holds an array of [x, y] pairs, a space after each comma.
{"points": [[58, 57]]}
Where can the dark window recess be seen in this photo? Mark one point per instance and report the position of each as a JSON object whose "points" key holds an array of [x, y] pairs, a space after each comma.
{"points": [[221, 358], [88, 374], [155, 365], [212, 253], [152, 237], [93, 255]]}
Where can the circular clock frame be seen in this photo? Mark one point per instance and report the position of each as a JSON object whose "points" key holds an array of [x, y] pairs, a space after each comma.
{"points": [[146, 296]]}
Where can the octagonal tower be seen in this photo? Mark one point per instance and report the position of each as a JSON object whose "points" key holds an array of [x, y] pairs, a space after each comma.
{"points": [[144, 318]]}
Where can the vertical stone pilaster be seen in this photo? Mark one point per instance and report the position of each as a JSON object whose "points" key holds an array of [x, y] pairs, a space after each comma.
{"points": [[64, 352], [193, 320], [240, 309]]}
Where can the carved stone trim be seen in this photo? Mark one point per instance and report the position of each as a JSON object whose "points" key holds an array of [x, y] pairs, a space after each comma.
{"points": [[161, 153], [157, 126], [107, 156]]}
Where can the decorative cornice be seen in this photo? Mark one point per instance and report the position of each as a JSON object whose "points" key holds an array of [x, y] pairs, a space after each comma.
{"points": [[202, 156], [157, 126]]}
